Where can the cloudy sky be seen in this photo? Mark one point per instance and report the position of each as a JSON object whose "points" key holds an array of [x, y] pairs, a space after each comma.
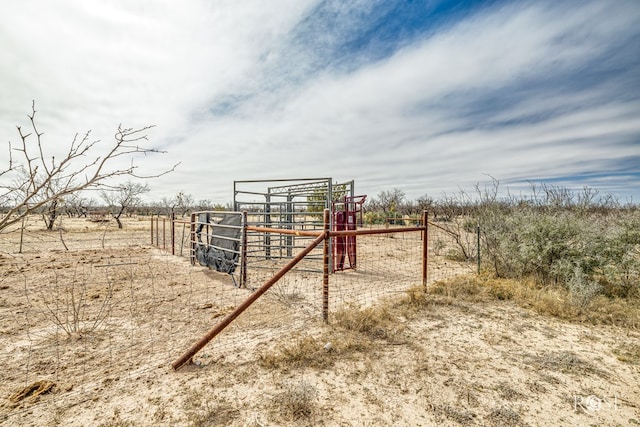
{"points": [[426, 96]]}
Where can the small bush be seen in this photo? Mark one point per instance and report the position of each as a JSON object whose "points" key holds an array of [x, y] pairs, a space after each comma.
{"points": [[550, 244], [301, 352], [297, 401]]}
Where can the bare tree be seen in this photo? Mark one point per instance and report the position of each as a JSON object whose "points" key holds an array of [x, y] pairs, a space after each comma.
{"points": [[180, 204], [124, 197], [41, 184], [389, 202]]}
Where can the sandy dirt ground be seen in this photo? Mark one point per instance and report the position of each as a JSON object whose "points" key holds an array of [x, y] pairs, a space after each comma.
{"points": [[137, 309]]}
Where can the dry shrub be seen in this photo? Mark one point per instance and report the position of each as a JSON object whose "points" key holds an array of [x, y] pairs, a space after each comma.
{"points": [[628, 353], [504, 416], [355, 331], [301, 352], [204, 408], [297, 401], [614, 311], [547, 300], [461, 416], [374, 322], [463, 286], [550, 301]]}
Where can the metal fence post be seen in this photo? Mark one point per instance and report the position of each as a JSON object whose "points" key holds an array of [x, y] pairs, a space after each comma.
{"points": [[425, 247], [173, 233], [478, 243]]}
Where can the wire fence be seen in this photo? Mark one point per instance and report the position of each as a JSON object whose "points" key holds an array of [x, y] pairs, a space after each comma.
{"points": [[106, 305]]}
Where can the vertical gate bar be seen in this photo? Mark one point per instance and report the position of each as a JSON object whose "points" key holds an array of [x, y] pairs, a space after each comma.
{"points": [[243, 258], [325, 269], [192, 234], [425, 247]]}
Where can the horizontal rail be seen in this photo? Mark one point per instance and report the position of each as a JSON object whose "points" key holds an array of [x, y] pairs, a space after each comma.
{"points": [[380, 231], [285, 231], [340, 233]]}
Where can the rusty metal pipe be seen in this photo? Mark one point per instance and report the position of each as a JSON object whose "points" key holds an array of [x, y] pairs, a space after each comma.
{"points": [[242, 307]]}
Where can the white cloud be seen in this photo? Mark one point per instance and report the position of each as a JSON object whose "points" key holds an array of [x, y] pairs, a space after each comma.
{"points": [[238, 92]]}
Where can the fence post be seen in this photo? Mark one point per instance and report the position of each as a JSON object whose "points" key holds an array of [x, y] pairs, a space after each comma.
{"points": [[164, 233], [152, 230], [425, 247], [325, 269], [478, 249], [192, 234], [173, 233]]}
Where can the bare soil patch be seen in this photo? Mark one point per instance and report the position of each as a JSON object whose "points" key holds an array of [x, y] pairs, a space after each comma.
{"points": [[443, 362]]}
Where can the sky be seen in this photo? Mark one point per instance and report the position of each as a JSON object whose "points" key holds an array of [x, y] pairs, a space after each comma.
{"points": [[431, 97]]}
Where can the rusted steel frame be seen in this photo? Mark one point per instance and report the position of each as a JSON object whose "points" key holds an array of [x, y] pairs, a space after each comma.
{"points": [[285, 231], [425, 247], [242, 307], [325, 269]]}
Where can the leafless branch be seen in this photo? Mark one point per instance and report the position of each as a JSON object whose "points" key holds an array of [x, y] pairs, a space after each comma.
{"points": [[41, 185]]}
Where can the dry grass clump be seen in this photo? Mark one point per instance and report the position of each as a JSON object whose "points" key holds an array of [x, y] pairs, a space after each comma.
{"points": [[460, 416], [301, 352], [548, 300], [353, 331], [209, 409], [297, 401], [504, 416], [376, 323], [564, 361], [464, 286], [628, 353]]}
